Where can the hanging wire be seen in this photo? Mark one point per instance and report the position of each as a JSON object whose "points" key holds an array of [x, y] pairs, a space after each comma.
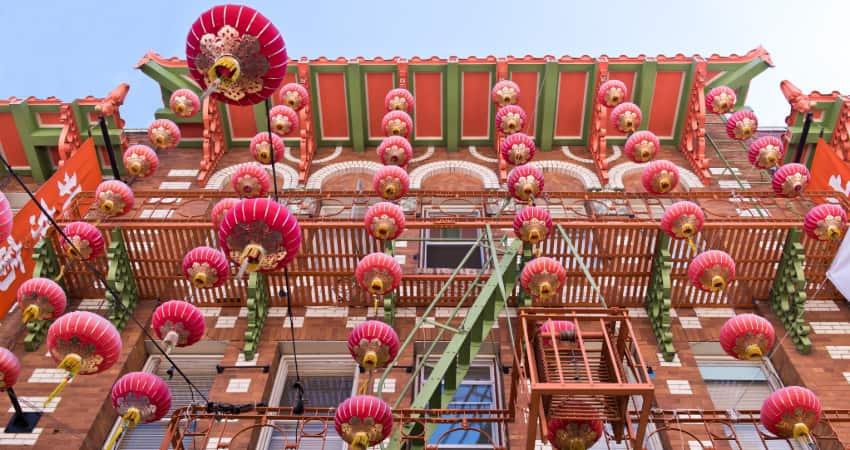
{"points": [[100, 277], [271, 147], [298, 385]]}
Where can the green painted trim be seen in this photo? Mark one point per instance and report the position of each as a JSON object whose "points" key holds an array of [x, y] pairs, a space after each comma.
{"points": [[412, 69], [563, 67], [166, 78], [788, 294], [590, 100], [364, 70], [628, 67], [25, 122], [260, 117], [225, 123], [490, 69], [453, 106], [741, 75], [321, 141], [425, 68], [645, 90], [541, 73], [356, 106], [658, 298], [682, 112], [549, 101], [741, 96]]}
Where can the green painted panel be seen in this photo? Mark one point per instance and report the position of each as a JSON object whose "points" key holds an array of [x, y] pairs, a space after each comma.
{"points": [[452, 101]]}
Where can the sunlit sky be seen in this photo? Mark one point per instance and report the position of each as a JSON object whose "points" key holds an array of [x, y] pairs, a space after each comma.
{"points": [[73, 49]]}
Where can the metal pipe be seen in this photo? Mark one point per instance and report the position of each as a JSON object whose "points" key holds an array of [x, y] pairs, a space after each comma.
{"points": [[109, 151], [803, 136]]}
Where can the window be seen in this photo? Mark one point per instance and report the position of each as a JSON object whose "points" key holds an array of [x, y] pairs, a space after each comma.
{"points": [[448, 253]]}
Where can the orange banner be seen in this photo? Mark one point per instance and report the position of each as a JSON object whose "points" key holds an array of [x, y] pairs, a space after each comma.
{"points": [[829, 172], [79, 173]]}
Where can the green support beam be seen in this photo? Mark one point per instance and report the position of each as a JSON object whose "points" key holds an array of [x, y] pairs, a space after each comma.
{"points": [[46, 266], [646, 89], [453, 98], [121, 279], [356, 106], [27, 126], [258, 311], [658, 303], [165, 77], [788, 294], [741, 76], [549, 103]]}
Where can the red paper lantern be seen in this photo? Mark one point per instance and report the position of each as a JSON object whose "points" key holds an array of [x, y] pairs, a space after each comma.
{"points": [[612, 93], [141, 161], [87, 240], [260, 234], [626, 117], [205, 267], [511, 119], [712, 271], [141, 397], [178, 323], [505, 93], [378, 273], [399, 100], [791, 180], [236, 52], [294, 96], [114, 198], [397, 123], [525, 182], [742, 125], [391, 182], [384, 221], [720, 100], [682, 220], [395, 151], [518, 148], [373, 344], [164, 134], [747, 337], [251, 180], [766, 152], [532, 224], [574, 434], [825, 222], [557, 329], [284, 120], [660, 177], [642, 146], [363, 421], [791, 412], [220, 209], [184, 103], [10, 369], [543, 278], [6, 218], [262, 152], [41, 299]]}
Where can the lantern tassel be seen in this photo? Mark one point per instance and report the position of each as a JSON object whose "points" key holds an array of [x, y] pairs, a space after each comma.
{"points": [[59, 388], [117, 436], [61, 274], [73, 364], [377, 300], [129, 420], [242, 268], [693, 246]]}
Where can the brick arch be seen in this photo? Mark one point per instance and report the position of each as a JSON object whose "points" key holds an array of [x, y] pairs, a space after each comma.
{"points": [[588, 179], [318, 178], [286, 176], [487, 176], [687, 178]]}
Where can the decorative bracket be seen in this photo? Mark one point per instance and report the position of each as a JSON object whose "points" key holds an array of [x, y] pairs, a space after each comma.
{"points": [[692, 144], [258, 311], [788, 294], [307, 135], [596, 142], [658, 303], [69, 138], [841, 132], [121, 278], [214, 145]]}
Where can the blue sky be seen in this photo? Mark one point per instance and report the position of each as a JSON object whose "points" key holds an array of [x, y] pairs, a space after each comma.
{"points": [[73, 49]]}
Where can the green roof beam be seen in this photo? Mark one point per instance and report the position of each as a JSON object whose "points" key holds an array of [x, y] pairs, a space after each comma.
{"points": [[549, 102]]}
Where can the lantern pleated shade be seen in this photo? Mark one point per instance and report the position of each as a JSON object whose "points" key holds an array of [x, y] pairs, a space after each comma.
{"points": [[397, 123], [642, 146], [294, 96], [660, 177], [240, 48], [792, 411], [88, 335], [518, 148], [87, 240], [378, 273], [391, 182], [825, 222], [505, 92], [164, 134], [747, 337], [183, 318], [712, 271], [140, 160], [6, 218], [251, 180], [611, 93], [114, 198], [511, 119], [682, 220], [532, 224], [264, 225], [41, 299], [399, 100], [720, 100], [556, 328], [284, 120], [384, 221], [525, 182], [395, 151], [573, 434], [741, 125], [143, 391], [543, 278], [184, 103], [766, 152], [205, 267], [364, 420], [373, 344], [10, 369], [790, 180], [261, 151], [626, 117], [221, 208]]}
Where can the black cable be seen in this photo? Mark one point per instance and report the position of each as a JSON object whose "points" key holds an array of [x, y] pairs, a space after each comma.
{"points": [[271, 148], [99, 276], [298, 408]]}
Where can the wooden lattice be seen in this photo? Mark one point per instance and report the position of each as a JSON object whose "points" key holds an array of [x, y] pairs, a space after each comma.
{"points": [[122, 280], [258, 311]]}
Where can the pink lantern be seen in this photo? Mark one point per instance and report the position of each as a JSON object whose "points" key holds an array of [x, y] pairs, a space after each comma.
{"points": [[712, 271], [543, 278], [825, 222], [556, 330], [574, 434], [682, 220], [114, 198], [720, 100], [642, 146], [399, 100], [260, 235], [525, 182], [41, 299], [164, 134], [220, 209], [517, 148], [139, 397], [184, 103], [397, 123], [747, 337], [294, 96], [791, 412], [395, 151], [141, 161], [766, 152], [178, 323], [505, 93], [261, 151], [391, 182], [87, 240], [237, 54], [363, 421], [373, 344], [205, 267], [742, 125], [612, 93], [384, 221], [251, 180], [511, 119], [10, 369], [284, 120], [378, 273], [6, 218], [532, 224], [626, 117], [791, 180], [660, 177]]}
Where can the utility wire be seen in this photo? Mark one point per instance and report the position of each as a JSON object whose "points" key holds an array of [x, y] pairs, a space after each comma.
{"points": [[271, 147]]}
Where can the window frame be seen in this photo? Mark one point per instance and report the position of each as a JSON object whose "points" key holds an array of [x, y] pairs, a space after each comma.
{"points": [[453, 210]]}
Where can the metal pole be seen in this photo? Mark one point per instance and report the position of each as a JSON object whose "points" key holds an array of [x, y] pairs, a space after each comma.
{"points": [[112, 162], [271, 147], [803, 136]]}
